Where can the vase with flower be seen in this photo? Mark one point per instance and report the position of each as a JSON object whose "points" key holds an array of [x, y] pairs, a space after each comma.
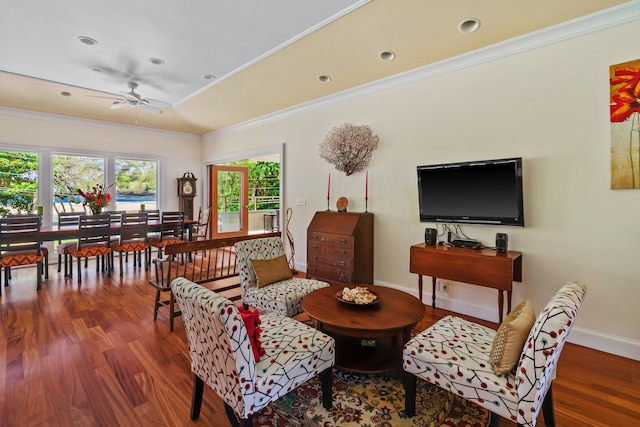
{"points": [[97, 198]]}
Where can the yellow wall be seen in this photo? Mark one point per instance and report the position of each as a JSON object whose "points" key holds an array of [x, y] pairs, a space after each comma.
{"points": [[548, 105]]}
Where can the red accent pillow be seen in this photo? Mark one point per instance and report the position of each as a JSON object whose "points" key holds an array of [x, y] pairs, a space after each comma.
{"points": [[251, 320]]}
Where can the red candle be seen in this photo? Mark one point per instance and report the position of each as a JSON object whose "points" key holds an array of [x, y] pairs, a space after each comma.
{"points": [[329, 187], [366, 188]]}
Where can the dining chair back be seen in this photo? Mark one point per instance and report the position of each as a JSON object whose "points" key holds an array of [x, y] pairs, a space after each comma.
{"points": [[133, 237], [20, 244], [201, 228], [153, 215], [171, 231], [67, 219], [94, 235]]}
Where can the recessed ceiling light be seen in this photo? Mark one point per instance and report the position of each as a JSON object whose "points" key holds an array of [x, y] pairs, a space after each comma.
{"points": [[387, 55], [324, 78], [208, 77], [88, 40], [156, 61], [65, 94], [469, 26]]}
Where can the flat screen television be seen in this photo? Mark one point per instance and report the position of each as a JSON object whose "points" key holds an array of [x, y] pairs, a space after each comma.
{"points": [[481, 192]]}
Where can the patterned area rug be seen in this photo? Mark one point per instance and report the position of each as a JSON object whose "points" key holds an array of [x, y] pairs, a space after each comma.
{"points": [[370, 401]]}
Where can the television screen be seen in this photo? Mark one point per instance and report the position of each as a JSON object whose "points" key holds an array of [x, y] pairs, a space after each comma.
{"points": [[481, 192]]}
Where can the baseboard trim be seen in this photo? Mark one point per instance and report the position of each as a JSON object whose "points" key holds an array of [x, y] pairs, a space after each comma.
{"points": [[607, 343]]}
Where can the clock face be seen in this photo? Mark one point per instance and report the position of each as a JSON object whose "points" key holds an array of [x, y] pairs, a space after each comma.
{"points": [[187, 188]]}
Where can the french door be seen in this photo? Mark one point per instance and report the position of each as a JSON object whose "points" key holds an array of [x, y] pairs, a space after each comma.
{"points": [[229, 195]]}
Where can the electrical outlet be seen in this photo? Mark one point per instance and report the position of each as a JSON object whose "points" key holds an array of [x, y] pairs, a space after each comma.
{"points": [[442, 286], [301, 202]]}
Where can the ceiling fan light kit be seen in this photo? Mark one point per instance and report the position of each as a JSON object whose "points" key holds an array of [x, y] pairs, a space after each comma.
{"points": [[132, 99]]}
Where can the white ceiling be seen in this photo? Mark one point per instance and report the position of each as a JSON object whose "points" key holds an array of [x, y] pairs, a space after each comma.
{"points": [[265, 55]]}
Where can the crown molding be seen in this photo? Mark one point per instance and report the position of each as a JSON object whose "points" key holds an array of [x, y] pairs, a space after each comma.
{"points": [[76, 121], [595, 22]]}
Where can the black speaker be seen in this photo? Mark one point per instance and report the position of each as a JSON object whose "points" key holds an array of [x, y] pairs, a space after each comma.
{"points": [[430, 236], [502, 242]]}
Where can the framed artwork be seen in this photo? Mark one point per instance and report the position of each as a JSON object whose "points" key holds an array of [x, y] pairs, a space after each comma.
{"points": [[624, 101]]}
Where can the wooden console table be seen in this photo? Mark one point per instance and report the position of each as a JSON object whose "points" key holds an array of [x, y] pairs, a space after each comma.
{"points": [[482, 267]]}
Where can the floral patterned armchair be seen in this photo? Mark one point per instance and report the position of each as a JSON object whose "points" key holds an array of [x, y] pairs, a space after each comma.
{"points": [[222, 355], [454, 354], [283, 297]]}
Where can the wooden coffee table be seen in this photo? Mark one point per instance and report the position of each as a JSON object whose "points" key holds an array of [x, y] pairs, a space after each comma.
{"points": [[369, 339]]}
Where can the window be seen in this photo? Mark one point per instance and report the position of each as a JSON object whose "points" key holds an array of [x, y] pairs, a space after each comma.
{"points": [[136, 182], [73, 172], [18, 182]]}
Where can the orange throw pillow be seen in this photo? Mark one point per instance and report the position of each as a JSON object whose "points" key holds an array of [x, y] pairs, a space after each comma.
{"points": [[270, 271]]}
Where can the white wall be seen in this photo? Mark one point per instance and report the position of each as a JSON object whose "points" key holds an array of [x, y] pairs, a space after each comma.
{"points": [[178, 152], [548, 105]]}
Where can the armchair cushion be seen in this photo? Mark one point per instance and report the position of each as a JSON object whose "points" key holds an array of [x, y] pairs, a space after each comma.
{"points": [[507, 345], [272, 270]]}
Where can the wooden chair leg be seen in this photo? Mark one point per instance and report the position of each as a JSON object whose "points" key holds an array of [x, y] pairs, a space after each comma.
{"points": [[80, 269], [172, 302], [326, 379], [39, 280], [121, 272], [196, 399], [409, 381], [547, 409], [157, 305]]}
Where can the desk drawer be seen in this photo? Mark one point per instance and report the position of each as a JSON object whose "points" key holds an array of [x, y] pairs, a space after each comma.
{"points": [[329, 272]]}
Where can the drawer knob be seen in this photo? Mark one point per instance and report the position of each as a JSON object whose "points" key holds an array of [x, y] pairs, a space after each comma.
{"points": [[343, 241], [315, 237], [315, 258], [343, 263], [315, 246], [343, 252]]}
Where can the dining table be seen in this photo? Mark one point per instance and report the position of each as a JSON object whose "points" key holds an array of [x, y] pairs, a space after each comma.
{"points": [[53, 232]]}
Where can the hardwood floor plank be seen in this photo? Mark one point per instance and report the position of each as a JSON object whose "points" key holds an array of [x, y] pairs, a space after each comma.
{"points": [[91, 355]]}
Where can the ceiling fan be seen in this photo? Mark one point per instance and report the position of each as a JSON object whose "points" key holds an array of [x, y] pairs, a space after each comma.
{"points": [[132, 99]]}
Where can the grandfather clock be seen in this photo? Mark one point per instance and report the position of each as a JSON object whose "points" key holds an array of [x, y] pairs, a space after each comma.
{"points": [[186, 193]]}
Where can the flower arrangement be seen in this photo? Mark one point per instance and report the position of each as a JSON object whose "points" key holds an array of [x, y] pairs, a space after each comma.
{"points": [[97, 198], [625, 106]]}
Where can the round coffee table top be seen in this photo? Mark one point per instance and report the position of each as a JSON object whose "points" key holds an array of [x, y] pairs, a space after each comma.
{"points": [[392, 315]]}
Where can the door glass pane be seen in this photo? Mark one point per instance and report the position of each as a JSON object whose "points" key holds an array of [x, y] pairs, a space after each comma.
{"points": [[229, 201], [71, 173], [136, 184], [18, 182]]}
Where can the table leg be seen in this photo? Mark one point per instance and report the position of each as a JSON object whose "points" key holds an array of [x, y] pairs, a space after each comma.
{"points": [[433, 292], [500, 304], [420, 287]]}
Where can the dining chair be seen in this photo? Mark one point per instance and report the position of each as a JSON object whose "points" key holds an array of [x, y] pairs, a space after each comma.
{"points": [[266, 280], [132, 238], [153, 215], [94, 240], [21, 244], [67, 219], [201, 227], [249, 359], [171, 231], [475, 362]]}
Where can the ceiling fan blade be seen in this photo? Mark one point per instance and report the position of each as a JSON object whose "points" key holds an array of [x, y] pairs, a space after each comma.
{"points": [[120, 104], [131, 96], [156, 103], [150, 109], [105, 97]]}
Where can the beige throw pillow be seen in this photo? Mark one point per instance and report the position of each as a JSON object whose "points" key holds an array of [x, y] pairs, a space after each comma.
{"points": [[273, 270], [510, 339]]}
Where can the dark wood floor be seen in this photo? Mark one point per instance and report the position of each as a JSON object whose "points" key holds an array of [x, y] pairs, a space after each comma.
{"points": [[91, 355]]}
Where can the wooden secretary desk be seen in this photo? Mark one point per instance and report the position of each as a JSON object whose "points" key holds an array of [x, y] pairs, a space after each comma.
{"points": [[340, 247]]}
